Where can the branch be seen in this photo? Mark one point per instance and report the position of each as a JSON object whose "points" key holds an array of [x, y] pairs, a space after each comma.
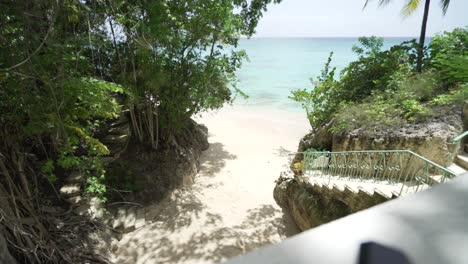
{"points": [[33, 53]]}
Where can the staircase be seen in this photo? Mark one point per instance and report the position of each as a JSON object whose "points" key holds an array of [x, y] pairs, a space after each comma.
{"points": [[125, 218], [388, 174], [460, 164]]}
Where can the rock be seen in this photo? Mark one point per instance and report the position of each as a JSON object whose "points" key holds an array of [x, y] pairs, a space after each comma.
{"points": [[70, 190], [121, 129], [432, 139], [154, 173], [116, 139], [74, 177], [314, 205], [319, 139]]}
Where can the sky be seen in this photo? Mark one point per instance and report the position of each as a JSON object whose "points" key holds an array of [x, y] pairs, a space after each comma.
{"points": [[346, 18]]}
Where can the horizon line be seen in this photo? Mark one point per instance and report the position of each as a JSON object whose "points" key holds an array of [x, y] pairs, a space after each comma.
{"points": [[279, 37]]}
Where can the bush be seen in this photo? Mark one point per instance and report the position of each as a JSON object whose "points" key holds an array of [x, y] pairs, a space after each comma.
{"points": [[449, 56], [375, 70], [321, 102], [382, 89]]}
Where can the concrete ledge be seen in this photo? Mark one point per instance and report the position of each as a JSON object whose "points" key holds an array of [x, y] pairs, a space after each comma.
{"points": [[429, 227]]}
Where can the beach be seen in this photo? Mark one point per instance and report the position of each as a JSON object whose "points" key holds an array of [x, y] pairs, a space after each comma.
{"points": [[230, 209]]}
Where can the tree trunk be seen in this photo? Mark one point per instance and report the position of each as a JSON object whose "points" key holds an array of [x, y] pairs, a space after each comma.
{"points": [[422, 37]]}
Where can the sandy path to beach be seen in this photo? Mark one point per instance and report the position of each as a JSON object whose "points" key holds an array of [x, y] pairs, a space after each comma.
{"points": [[230, 209]]}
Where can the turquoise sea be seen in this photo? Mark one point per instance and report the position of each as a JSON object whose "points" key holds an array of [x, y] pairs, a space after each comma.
{"points": [[277, 66]]}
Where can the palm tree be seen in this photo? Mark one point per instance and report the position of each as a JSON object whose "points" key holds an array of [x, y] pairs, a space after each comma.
{"points": [[408, 9]]}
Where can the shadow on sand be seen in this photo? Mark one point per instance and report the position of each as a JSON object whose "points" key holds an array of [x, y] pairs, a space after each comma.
{"points": [[210, 241], [214, 159]]}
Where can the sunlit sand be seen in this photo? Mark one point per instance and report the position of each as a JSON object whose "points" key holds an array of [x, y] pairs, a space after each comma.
{"points": [[230, 208]]}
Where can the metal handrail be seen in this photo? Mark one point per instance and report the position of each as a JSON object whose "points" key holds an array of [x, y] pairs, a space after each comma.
{"points": [[403, 168], [456, 141], [459, 137]]}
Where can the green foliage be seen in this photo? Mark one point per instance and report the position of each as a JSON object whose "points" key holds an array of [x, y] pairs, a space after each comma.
{"points": [[381, 89], [455, 96], [68, 66], [449, 55], [180, 57], [320, 103], [48, 169], [374, 71], [414, 110]]}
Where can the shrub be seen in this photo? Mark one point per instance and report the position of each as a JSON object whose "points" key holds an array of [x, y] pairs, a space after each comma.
{"points": [[381, 88], [375, 71], [449, 56], [320, 103]]}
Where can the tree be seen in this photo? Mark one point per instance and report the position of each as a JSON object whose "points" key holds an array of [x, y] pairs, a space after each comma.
{"points": [[408, 9], [68, 66]]}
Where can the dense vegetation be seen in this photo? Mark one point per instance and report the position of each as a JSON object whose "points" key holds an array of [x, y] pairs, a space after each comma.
{"points": [[68, 66], [409, 8], [382, 88]]}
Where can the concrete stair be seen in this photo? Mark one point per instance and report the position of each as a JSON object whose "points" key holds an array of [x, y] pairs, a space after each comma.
{"points": [[462, 161], [117, 137], [126, 218], [72, 187], [460, 164], [384, 189]]}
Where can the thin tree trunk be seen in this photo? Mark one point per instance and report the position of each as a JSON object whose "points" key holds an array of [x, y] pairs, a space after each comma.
{"points": [[422, 37]]}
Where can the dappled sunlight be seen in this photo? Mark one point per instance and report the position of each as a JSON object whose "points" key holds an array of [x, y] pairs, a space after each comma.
{"points": [[229, 210], [213, 160], [209, 241]]}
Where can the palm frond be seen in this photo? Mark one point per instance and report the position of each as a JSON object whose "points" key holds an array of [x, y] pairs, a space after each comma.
{"points": [[410, 7], [444, 4], [381, 3]]}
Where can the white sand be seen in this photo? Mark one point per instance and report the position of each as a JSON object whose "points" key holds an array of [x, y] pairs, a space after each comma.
{"points": [[230, 208]]}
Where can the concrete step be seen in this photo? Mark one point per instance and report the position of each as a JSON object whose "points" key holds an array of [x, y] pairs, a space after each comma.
{"points": [[119, 129], [76, 200], [115, 139], [75, 177], [125, 219], [436, 179], [82, 210], [140, 220], [122, 119], [341, 184], [70, 190], [462, 161], [130, 218], [456, 169], [383, 189], [119, 218], [116, 144]]}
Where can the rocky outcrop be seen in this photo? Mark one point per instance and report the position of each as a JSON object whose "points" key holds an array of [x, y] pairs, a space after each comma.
{"points": [[431, 139], [311, 205], [153, 174]]}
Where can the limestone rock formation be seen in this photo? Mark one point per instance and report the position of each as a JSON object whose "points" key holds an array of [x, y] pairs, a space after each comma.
{"points": [[311, 205], [431, 139], [155, 173]]}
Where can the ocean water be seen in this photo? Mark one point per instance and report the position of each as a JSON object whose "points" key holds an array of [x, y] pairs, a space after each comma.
{"points": [[277, 66]]}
